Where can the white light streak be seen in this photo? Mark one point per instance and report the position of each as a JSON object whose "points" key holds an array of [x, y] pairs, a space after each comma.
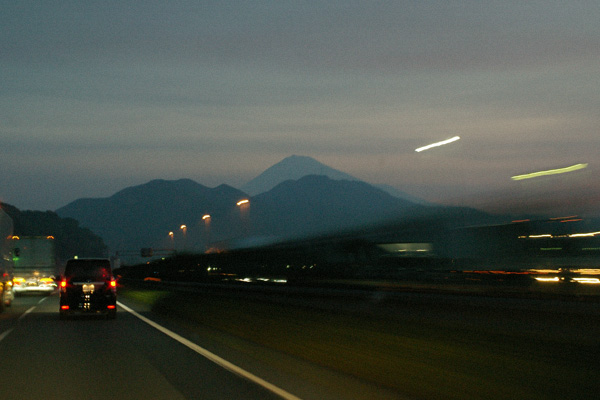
{"points": [[443, 142], [554, 279], [590, 234]]}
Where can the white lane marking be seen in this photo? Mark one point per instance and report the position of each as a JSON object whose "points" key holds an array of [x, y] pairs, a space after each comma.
{"points": [[4, 334], [26, 312], [213, 357], [40, 302]]}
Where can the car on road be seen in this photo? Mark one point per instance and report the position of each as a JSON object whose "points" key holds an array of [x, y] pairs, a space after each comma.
{"points": [[88, 287], [33, 285], [6, 292]]}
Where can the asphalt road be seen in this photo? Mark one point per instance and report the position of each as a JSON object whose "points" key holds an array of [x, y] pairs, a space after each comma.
{"points": [[95, 358]]}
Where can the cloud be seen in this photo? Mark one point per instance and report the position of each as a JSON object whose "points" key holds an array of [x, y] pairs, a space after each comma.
{"points": [[222, 89], [321, 35]]}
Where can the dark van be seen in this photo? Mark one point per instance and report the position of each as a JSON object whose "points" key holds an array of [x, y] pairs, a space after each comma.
{"points": [[88, 287]]}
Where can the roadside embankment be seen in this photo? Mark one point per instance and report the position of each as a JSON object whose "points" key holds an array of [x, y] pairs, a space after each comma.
{"points": [[420, 343]]}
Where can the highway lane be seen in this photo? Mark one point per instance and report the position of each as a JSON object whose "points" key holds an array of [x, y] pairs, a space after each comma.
{"points": [[90, 357]]}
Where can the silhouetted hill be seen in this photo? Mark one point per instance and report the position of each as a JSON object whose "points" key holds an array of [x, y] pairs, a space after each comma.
{"points": [[143, 216], [316, 204], [292, 168], [296, 167], [70, 238]]}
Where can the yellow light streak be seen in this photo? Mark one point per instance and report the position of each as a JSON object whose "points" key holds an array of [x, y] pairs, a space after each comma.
{"points": [[589, 234], [588, 271], [554, 279], [443, 142], [594, 281], [245, 201], [207, 216], [549, 172]]}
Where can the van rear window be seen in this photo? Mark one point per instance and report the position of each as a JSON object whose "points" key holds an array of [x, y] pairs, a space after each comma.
{"points": [[95, 270]]}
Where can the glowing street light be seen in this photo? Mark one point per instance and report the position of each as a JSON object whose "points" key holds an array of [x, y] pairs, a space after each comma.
{"points": [[244, 206], [206, 217], [184, 230]]}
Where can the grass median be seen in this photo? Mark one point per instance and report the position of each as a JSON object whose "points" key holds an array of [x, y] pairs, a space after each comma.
{"points": [[520, 354]]}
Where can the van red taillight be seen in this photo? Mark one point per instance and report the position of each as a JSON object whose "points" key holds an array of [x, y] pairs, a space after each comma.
{"points": [[111, 307], [64, 307], [63, 284], [113, 284]]}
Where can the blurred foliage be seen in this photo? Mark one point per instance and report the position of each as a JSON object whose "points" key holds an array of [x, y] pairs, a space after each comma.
{"points": [[71, 239]]}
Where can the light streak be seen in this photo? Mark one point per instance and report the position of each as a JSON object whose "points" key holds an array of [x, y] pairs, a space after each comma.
{"points": [[443, 142], [245, 201], [554, 279], [594, 281], [561, 218], [549, 172], [589, 234]]}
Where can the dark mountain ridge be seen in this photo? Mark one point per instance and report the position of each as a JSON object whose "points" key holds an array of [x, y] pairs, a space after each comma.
{"points": [[292, 168], [316, 204], [299, 207], [70, 238], [142, 216], [147, 213]]}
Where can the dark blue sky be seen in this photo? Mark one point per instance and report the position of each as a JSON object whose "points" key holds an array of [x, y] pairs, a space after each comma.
{"points": [[100, 95]]}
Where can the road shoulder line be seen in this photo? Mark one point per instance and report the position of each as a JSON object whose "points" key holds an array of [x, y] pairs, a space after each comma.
{"points": [[5, 334], [213, 357]]}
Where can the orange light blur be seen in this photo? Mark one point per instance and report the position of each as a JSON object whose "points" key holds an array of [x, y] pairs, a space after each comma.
{"points": [[207, 216], [560, 218], [111, 307], [113, 283], [63, 284], [245, 201], [64, 307]]}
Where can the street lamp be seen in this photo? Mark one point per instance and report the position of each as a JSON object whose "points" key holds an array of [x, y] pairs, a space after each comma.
{"points": [[244, 206], [184, 229], [206, 218]]}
